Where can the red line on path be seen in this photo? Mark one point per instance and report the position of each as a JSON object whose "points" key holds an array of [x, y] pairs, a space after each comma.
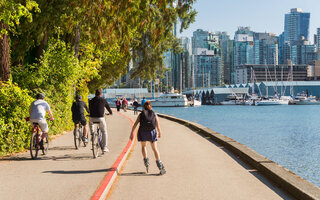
{"points": [[108, 180]]}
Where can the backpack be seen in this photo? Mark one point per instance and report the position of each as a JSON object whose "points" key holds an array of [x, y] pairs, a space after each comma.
{"points": [[148, 120]]}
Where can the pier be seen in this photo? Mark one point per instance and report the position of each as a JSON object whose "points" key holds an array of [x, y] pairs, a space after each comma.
{"points": [[200, 164]]}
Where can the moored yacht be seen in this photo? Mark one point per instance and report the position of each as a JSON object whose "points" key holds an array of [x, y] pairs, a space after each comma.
{"points": [[170, 100], [303, 99]]}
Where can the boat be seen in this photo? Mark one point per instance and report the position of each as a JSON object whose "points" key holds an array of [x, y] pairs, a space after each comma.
{"points": [[233, 99], [170, 100], [304, 99]]}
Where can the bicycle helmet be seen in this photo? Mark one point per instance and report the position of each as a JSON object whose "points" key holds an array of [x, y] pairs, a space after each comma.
{"points": [[40, 96], [78, 97]]}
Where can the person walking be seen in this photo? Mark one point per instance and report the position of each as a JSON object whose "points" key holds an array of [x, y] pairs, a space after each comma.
{"points": [[118, 104], [149, 131], [135, 107], [96, 107], [143, 101], [124, 104]]}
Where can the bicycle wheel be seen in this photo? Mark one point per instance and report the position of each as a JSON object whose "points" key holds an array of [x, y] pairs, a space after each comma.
{"points": [[95, 143], [34, 146], [76, 137], [45, 145]]}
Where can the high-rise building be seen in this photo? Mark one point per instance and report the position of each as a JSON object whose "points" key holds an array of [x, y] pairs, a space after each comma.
{"points": [[265, 48], [206, 68], [199, 39], [296, 32], [318, 39], [243, 47], [207, 63], [296, 24], [227, 54], [181, 72]]}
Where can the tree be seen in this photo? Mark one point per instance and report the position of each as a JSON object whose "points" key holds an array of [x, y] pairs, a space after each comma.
{"points": [[10, 16]]}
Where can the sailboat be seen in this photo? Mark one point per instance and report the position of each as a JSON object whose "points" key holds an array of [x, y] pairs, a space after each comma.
{"points": [[271, 101]]}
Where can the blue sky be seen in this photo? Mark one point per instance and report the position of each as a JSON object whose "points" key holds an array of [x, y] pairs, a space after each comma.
{"points": [[260, 15]]}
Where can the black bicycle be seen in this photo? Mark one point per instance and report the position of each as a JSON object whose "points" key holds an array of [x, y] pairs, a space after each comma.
{"points": [[96, 139], [36, 144], [78, 135]]}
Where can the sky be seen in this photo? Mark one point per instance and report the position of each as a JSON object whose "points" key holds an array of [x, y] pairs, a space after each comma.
{"points": [[260, 15]]}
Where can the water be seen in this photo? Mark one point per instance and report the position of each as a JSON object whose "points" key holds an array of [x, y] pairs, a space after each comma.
{"points": [[288, 135]]}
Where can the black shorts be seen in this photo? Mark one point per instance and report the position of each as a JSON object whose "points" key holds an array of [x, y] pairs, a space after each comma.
{"points": [[82, 121]]}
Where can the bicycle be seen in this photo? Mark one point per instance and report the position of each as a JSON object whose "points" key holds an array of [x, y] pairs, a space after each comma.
{"points": [[96, 139], [35, 141], [78, 135]]}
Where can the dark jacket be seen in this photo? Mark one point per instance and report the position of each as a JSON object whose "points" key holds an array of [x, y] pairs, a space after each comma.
{"points": [[78, 110], [135, 104], [97, 105]]}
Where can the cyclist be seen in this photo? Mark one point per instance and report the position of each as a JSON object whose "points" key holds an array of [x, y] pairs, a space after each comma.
{"points": [[37, 113], [78, 115], [96, 107]]}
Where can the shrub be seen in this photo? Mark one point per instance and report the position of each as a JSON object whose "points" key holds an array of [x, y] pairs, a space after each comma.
{"points": [[14, 108]]}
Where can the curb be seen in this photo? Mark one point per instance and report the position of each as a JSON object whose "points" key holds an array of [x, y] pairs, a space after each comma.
{"points": [[288, 181], [102, 191]]}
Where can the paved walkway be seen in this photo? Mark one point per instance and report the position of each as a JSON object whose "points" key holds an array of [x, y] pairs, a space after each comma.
{"points": [[65, 173], [196, 169]]}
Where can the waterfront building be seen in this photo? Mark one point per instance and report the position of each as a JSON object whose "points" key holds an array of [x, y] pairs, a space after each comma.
{"points": [[245, 73]]}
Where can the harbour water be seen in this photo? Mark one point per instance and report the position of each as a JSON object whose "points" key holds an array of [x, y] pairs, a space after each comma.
{"points": [[288, 135]]}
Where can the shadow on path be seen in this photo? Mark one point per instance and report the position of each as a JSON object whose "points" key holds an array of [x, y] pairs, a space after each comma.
{"points": [[79, 171], [62, 148], [138, 174]]}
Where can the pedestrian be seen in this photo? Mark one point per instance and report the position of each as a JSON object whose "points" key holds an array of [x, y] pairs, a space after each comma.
{"points": [[135, 107], [143, 101], [124, 104], [149, 131], [96, 107], [118, 104]]}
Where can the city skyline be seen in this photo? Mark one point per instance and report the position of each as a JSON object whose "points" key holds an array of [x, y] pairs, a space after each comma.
{"points": [[232, 14]]}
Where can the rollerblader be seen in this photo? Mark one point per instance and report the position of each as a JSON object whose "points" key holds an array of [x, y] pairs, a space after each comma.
{"points": [[149, 131]]}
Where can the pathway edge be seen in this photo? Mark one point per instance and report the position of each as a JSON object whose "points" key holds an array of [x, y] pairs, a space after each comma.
{"points": [[102, 191]]}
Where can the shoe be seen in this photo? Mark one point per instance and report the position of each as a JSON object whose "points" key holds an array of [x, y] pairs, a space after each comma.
{"points": [[146, 163], [105, 149], [161, 167]]}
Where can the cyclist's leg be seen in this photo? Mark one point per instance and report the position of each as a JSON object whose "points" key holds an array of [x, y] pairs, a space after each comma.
{"points": [[43, 126], [103, 128], [91, 120], [84, 124]]}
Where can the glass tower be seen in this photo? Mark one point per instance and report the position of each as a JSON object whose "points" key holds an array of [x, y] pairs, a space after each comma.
{"points": [[296, 25]]}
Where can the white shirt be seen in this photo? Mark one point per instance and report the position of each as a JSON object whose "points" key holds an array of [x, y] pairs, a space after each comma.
{"points": [[38, 109]]}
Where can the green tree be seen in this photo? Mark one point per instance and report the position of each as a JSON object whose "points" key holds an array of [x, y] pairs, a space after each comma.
{"points": [[11, 13]]}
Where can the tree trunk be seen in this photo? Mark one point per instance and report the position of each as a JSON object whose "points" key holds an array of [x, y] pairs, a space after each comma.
{"points": [[42, 45], [4, 54], [77, 41]]}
